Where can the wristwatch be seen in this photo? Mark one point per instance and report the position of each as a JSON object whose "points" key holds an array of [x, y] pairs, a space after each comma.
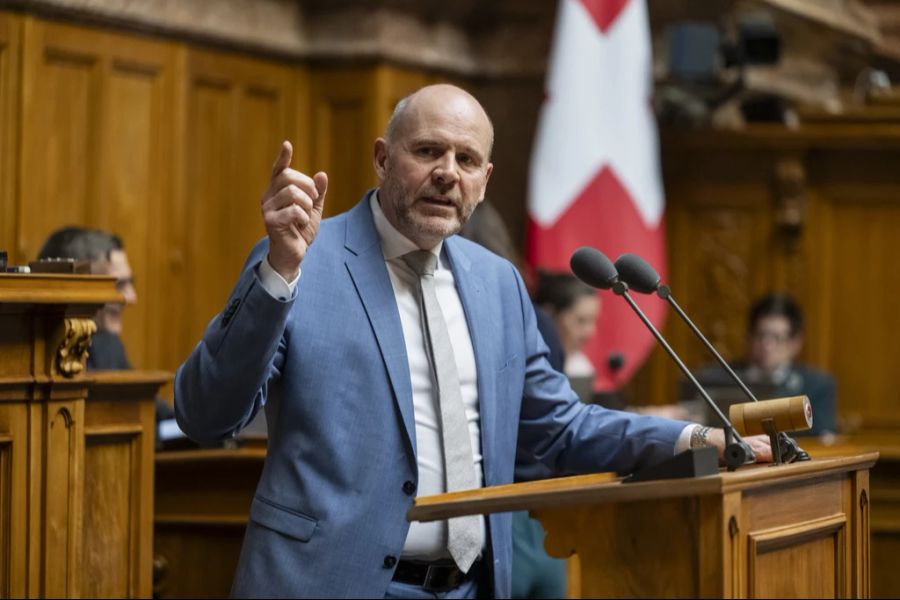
{"points": [[700, 437]]}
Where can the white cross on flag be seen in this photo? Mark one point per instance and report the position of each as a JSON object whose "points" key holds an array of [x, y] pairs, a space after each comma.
{"points": [[594, 177]]}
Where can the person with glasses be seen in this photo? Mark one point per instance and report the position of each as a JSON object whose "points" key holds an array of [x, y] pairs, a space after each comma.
{"points": [[775, 331], [106, 255]]}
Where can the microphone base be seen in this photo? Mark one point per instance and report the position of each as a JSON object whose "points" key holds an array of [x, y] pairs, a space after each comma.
{"points": [[738, 455], [693, 462]]}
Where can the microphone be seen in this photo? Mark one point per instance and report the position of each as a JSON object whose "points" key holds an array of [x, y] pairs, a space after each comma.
{"points": [[594, 268], [643, 278]]}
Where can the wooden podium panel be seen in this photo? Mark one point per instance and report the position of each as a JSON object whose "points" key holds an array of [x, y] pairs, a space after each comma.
{"points": [[884, 484], [119, 440], [76, 451], [799, 530]]}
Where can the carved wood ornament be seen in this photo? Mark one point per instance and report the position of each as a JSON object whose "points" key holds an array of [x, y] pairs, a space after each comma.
{"points": [[73, 350]]}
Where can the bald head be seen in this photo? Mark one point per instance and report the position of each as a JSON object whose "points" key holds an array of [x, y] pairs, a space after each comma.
{"points": [[443, 98]]}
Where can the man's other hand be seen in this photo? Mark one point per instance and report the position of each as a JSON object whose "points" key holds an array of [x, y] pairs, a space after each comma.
{"points": [[758, 443]]}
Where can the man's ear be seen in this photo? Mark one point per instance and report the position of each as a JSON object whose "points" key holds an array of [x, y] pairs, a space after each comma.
{"points": [[487, 175], [380, 157]]}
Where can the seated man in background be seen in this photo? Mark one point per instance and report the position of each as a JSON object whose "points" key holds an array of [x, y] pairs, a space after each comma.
{"points": [[775, 338], [106, 255]]}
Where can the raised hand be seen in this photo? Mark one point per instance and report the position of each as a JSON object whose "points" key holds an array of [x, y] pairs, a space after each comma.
{"points": [[292, 211]]}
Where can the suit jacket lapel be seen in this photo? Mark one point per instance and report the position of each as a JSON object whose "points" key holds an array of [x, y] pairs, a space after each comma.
{"points": [[365, 263], [472, 294]]}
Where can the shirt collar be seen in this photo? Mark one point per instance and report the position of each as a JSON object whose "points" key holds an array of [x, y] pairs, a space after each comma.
{"points": [[778, 376], [393, 243]]}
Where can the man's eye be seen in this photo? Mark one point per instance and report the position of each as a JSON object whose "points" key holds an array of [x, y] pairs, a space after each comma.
{"points": [[465, 159]]}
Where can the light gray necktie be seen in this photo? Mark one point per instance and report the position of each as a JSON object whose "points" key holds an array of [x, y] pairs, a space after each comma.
{"points": [[464, 534]]}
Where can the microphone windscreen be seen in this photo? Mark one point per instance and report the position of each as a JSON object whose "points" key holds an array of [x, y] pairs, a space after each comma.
{"points": [[637, 273], [593, 267]]}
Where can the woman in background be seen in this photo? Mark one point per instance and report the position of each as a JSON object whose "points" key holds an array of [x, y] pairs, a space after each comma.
{"points": [[574, 307]]}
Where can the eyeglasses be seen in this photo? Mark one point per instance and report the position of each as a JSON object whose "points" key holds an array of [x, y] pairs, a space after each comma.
{"points": [[124, 283], [771, 336]]}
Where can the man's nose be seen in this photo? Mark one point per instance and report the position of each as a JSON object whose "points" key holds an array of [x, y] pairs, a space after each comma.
{"points": [[446, 172], [130, 293]]}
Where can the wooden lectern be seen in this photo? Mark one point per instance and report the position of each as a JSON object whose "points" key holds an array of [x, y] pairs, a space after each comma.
{"points": [[793, 531], [76, 449]]}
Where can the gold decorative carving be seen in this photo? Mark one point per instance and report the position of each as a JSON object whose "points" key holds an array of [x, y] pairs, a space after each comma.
{"points": [[790, 201], [723, 285], [790, 195], [73, 350]]}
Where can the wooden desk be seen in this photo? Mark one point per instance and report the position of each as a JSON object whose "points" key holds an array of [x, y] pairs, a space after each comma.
{"points": [[202, 505]]}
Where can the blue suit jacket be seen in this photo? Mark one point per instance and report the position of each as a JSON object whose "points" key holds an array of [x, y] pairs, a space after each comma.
{"points": [[331, 369]]}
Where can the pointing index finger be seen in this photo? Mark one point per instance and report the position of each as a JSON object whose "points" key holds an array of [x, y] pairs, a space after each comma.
{"points": [[284, 158]]}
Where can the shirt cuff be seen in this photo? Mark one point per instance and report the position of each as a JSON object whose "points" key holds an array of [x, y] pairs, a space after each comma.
{"points": [[276, 285], [684, 438]]}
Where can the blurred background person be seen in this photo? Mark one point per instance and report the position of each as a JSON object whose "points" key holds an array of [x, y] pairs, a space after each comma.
{"points": [[106, 255], [775, 329], [574, 307]]}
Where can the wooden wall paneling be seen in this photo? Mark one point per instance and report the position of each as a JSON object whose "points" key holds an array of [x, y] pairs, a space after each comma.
{"points": [[238, 111], [514, 105], [392, 85], [861, 189], [301, 114], [61, 112], [719, 239], [170, 292], [344, 127], [98, 115], [820, 275], [134, 176], [10, 51]]}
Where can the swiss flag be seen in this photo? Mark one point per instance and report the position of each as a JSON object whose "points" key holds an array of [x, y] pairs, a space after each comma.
{"points": [[595, 177]]}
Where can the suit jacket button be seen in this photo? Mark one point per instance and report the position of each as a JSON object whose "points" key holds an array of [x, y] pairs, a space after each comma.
{"points": [[390, 561], [409, 488]]}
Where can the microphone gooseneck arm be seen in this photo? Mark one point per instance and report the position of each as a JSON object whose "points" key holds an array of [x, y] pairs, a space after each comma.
{"points": [[666, 294], [737, 451]]}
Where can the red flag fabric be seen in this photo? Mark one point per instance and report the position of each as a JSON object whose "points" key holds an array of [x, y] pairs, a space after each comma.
{"points": [[594, 178]]}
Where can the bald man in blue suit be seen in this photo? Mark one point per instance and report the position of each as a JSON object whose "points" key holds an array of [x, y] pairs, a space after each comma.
{"points": [[334, 355]]}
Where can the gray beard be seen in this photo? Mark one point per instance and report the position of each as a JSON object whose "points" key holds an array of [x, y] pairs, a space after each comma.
{"points": [[409, 225]]}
